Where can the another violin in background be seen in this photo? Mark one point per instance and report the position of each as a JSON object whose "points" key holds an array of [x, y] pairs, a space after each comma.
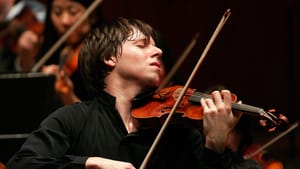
{"points": [[24, 15], [65, 30], [263, 159], [258, 153], [16, 18], [2, 166], [69, 59]]}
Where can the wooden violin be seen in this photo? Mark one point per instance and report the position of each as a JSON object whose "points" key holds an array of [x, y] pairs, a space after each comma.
{"points": [[24, 19], [2, 166], [257, 152], [69, 59], [261, 158], [64, 37], [153, 110]]}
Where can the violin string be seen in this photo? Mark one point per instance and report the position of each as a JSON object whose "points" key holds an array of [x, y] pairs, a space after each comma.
{"points": [[245, 108], [166, 122]]}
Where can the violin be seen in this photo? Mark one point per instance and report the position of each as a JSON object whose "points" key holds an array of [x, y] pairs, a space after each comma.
{"points": [[72, 62], [68, 62], [63, 38], [69, 59], [2, 166], [151, 109], [257, 152], [262, 159], [24, 20]]}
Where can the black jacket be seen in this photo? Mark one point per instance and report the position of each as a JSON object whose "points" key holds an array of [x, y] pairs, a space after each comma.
{"points": [[73, 133]]}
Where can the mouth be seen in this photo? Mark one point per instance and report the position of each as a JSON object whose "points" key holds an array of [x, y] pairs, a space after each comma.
{"points": [[155, 64]]}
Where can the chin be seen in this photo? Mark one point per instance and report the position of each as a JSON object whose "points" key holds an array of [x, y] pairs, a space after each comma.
{"points": [[152, 80]]}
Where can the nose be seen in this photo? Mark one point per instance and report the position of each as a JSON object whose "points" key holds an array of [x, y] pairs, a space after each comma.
{"points": [[66, 19], [157, 51]]}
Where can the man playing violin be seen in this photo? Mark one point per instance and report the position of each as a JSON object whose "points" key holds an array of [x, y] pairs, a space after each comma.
{"points": [[120, 60]]}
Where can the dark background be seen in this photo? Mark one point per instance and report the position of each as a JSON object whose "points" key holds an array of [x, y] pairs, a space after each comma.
{"points": [[255, 55]]}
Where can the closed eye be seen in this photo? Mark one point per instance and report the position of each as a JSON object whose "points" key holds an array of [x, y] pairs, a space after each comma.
{"points": [[141, 43]]}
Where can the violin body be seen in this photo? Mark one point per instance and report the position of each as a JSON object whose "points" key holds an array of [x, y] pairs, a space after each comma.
{"points": [[189, 112], [71, 61]]}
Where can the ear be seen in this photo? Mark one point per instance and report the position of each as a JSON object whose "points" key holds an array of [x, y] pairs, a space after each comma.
{"points": [[111, 61]]}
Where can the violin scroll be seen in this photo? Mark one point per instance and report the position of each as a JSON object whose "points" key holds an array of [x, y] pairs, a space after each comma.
{"points": [[274, 121], [271, 119]]}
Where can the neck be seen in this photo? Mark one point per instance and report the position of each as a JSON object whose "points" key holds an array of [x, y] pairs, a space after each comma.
{"points": [[124, 93], [123, 105]]}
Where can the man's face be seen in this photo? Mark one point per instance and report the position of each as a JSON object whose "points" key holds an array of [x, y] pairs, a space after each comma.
{"points": [[140, 60]]}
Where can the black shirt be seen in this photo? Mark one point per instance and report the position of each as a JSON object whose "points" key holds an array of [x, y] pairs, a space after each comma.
{"points": [[73, 133]]}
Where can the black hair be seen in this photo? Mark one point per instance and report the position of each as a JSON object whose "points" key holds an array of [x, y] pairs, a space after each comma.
{"points": [[104, 42]]}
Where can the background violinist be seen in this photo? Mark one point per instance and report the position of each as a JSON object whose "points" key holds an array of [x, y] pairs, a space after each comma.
{"points": [[61, 15], [17, 16]]}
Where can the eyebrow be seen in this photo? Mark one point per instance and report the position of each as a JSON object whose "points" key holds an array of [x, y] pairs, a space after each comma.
{"points": [[144, 39]]}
